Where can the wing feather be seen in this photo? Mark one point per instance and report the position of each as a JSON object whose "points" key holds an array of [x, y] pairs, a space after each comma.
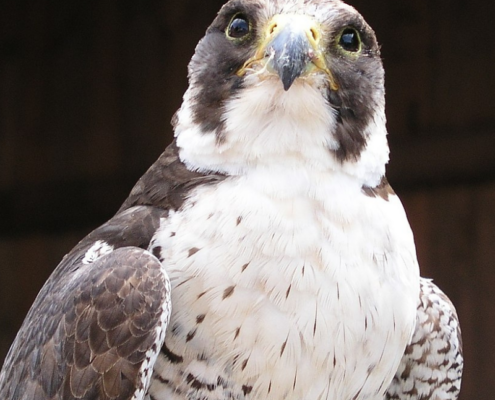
{"points": [[93, 325], [97, 324], [431, 368]]}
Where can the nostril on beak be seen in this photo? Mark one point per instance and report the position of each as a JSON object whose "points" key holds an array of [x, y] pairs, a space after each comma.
{"points": [[315, 34]]}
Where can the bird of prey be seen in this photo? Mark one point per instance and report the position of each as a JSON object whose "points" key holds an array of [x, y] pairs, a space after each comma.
{"points": [[264, 255]]}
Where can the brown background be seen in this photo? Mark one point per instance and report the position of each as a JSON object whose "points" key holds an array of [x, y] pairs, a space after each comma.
{"points": [[87, 90]]}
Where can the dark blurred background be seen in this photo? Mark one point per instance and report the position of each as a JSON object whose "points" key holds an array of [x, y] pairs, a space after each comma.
{"points": [[87, 90]]}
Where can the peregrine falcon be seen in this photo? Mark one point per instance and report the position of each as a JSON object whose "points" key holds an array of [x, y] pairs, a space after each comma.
{"points": [[264, 255]]}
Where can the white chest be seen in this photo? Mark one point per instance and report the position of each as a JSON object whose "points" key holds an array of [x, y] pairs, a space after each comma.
{"points": [[303, 291]]}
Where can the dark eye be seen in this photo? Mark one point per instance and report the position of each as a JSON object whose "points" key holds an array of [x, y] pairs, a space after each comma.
{"points": [[350, 40], [238, 28]]}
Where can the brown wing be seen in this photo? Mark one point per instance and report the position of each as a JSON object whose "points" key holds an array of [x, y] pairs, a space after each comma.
{"points": [[94, 327], [431, 368], [94, 336]]}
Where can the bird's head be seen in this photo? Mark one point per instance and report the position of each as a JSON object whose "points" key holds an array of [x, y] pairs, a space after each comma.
{"points": [[285, 81]]}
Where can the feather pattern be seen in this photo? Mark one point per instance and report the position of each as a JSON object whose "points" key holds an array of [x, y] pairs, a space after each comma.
{"points": [[431, 368], [97, 325], [264, 255]]}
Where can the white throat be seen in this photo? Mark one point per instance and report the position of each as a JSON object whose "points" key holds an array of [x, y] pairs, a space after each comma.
{"points": [[268, 128]]}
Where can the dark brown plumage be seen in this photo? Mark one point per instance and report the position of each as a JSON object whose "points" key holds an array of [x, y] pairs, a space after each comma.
{"points": [[167, 182], [88, 337], [87, 333]]}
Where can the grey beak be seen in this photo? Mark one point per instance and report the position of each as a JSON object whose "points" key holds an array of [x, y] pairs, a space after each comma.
{"points": [[291, 53]]}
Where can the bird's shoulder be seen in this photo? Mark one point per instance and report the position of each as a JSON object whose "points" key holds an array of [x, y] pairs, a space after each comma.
{"points": [[99, 321], [167, 182]]}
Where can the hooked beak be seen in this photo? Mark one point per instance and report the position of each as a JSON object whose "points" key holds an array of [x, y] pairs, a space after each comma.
{"points": [[291, 48]]}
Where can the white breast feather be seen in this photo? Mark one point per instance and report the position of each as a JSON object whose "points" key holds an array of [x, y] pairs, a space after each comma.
{"points": [[308, 287], [267, 125]]}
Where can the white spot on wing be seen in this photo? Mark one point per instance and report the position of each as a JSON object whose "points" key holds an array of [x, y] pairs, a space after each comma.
{"points": [[99, 248]]}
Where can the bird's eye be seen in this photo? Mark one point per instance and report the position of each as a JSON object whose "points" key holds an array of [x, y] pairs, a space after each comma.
{"points": [[350, 40], [238, 27]]}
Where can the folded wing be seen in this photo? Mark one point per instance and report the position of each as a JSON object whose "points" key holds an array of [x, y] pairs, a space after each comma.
{"points": [[99, 322], [431, 368]]}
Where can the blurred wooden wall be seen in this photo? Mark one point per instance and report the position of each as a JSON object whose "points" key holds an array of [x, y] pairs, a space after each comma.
{"points": [[87, 90]]}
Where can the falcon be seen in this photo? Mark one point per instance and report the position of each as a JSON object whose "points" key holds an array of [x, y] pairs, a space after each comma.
{"points": [[264, 255]]}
